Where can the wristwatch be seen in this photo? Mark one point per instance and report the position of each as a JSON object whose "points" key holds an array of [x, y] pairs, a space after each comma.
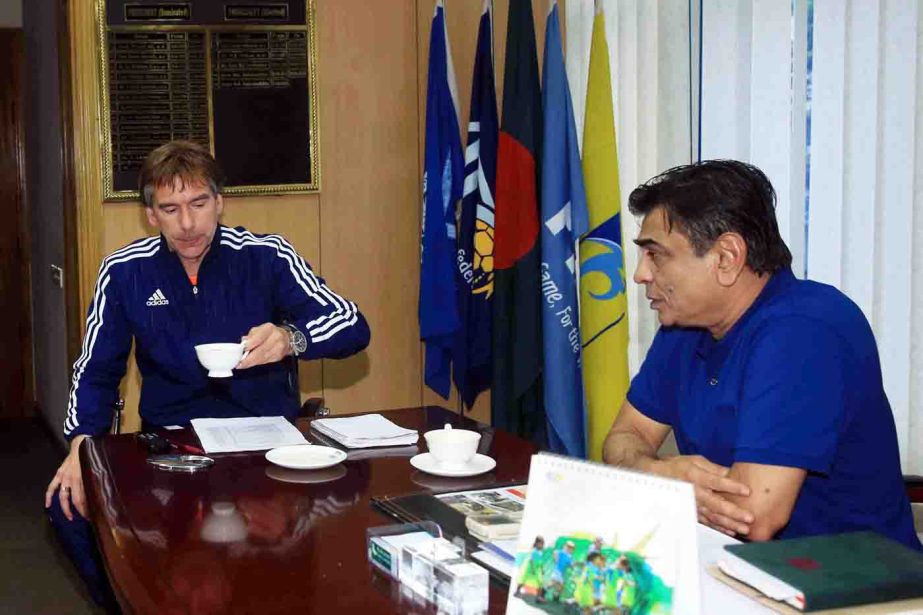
{"points": [[296, 339]]}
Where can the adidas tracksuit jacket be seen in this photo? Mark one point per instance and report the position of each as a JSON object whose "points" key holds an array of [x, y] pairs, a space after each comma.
{"points": [[143, 293]]}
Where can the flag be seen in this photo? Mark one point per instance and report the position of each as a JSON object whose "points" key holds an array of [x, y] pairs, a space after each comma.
{"points": [[442, 188], [564, 217], [603, 305], [473, 369], [516, 400]]}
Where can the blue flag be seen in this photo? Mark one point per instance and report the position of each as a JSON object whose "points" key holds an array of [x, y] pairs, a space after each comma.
{"points": [[564, 219], [442, 188], [475, 259]]}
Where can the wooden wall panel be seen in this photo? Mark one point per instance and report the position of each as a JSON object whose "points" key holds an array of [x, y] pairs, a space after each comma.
{"points": [[123, 223], [87, 161], [370, 199]]}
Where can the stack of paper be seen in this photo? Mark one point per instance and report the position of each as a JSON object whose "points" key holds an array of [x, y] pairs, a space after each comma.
{"points": [[258, 433], [365, 431], [499, 555], [370, 453], [493, 527]]}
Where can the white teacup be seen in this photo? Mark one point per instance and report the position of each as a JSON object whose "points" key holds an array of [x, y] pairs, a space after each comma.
{"points": [[452, 447], [220, 359]]}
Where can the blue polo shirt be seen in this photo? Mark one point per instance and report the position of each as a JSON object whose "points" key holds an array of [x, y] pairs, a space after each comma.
{"points": [[796, 382]]}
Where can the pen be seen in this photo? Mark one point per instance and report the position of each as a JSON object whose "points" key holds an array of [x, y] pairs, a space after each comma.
{"points": [[188, 448]]}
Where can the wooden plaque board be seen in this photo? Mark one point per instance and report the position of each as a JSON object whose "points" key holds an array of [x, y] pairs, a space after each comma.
{"points": [[238, 76]]}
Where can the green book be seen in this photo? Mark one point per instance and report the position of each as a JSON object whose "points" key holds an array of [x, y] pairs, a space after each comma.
{"points": [[825, 572]]}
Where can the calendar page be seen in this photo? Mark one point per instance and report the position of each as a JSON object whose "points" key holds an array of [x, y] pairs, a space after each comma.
{"points": [[597, 539]]}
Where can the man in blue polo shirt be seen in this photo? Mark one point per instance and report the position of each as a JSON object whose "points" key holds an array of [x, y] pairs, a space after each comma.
{"points": [[771, 385]]}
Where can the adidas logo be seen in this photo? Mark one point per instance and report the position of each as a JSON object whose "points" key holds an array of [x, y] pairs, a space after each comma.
{"points": [[157, 299]]}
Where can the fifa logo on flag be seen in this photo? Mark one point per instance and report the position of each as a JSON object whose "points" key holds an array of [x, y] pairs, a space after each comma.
{"points": [[479, 273], [483, 258]]}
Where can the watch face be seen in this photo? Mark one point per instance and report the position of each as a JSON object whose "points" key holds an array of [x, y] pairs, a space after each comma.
{"points": [[299, 341]]}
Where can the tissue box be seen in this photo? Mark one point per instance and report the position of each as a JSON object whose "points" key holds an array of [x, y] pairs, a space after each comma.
{"points": [[385, 543], [418, 563], [461, 587]]}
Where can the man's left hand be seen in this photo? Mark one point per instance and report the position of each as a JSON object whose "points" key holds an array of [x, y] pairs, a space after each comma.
{"points": [[714, 491], [266, 343]]}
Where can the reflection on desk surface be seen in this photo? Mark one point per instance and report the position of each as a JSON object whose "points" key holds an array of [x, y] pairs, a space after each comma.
{"points": [[169, 509], [440, 484], [246, 536], [306, 477]]}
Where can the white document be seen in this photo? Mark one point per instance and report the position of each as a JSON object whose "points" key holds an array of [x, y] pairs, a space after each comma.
{"points": [[365, 431], [604, 539], [503, 548], [256, 433], [494, 561]]}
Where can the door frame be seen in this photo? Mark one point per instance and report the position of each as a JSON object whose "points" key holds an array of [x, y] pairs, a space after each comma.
{"points": [[72, 272]]}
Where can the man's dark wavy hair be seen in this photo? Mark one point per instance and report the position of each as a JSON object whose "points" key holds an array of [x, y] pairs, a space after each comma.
{"points": [[709, 198]]}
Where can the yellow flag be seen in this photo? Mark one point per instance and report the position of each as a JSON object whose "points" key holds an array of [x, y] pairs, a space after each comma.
{"points": [[603, 304]]}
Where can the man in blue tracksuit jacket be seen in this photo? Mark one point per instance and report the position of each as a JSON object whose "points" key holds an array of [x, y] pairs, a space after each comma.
{"points": [[197, 282]]}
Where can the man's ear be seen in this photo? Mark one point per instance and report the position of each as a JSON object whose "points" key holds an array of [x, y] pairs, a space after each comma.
{"points": [[219, 203], [151, 218], [731, 250]]}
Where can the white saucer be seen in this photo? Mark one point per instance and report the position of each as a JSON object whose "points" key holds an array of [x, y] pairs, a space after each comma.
{"points": [[478, 465], [305, 456]]}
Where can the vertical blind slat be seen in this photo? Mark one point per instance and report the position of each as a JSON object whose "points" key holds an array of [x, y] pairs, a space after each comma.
{"points": [[861, 153], [825, 227], [893, 278]]}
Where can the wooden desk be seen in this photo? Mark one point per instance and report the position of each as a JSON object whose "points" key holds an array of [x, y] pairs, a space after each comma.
{"points": [[304, 549]]}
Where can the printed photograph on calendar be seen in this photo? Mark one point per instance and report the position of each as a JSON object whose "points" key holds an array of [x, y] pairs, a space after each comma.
{"points": [[579, 573], [597, 540]]}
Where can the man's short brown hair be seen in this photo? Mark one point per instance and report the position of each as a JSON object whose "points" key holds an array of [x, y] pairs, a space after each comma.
{"points": [[184, 160]]}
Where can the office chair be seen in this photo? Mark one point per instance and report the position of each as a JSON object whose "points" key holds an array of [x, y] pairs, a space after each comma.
{"points": [[313, 407], [914, 486], [117, 409]]}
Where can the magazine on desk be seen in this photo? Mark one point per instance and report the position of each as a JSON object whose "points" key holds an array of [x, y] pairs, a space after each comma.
{"points": [[509, 501], [490, 514], [596, 539]]}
